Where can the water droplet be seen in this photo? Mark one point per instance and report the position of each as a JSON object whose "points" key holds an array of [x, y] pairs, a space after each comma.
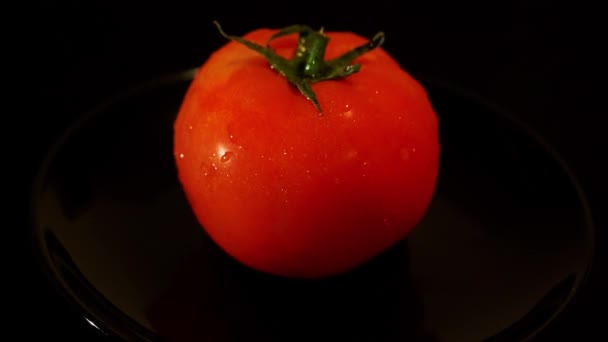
{"points": [[181, 156], [190, 127], [208, 170], [226, 156]]}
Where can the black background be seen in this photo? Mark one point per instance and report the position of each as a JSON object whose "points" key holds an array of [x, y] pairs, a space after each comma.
{"points": [[541, 60]]}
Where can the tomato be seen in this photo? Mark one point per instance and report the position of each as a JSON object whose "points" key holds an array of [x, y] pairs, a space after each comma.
{"points": [[306, 179]]}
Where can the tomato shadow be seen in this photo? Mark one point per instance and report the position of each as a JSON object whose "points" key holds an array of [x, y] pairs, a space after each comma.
{"points": [[214, 298]]}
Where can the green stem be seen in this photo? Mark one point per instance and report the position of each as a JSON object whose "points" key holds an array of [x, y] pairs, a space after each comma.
{"points": [[308, 64]]}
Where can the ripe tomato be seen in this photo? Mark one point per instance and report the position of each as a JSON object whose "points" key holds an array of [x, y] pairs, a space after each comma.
{"points": [[305, 186]]}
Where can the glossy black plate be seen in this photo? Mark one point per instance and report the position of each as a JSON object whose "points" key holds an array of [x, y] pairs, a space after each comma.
{"points": [[504, 247]]}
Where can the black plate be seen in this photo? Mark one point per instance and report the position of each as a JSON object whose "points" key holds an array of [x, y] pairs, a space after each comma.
{"points": [[502, 251]]}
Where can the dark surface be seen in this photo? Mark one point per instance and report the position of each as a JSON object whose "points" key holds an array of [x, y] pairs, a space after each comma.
{"points": [[504, 245], [540, 61]]}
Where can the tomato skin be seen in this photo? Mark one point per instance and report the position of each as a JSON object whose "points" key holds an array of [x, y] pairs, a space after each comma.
{"points": [[290, 192]]}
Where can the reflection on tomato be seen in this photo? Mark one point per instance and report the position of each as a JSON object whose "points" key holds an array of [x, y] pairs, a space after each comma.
{"points": [[306, 184]]}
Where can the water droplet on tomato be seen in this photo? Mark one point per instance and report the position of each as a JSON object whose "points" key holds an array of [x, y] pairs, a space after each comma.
{"points": [[181, 156], [226, 156], [208, 170]]}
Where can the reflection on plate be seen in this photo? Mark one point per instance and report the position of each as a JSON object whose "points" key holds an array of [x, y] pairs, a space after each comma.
{"points": [[504, 246]]}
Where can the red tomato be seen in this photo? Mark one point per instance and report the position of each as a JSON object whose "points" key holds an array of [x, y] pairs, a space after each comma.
{"points": [[292, 191]]}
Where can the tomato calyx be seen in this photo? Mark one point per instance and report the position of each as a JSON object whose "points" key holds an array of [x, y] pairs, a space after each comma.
{"points": [[308, 64]]}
